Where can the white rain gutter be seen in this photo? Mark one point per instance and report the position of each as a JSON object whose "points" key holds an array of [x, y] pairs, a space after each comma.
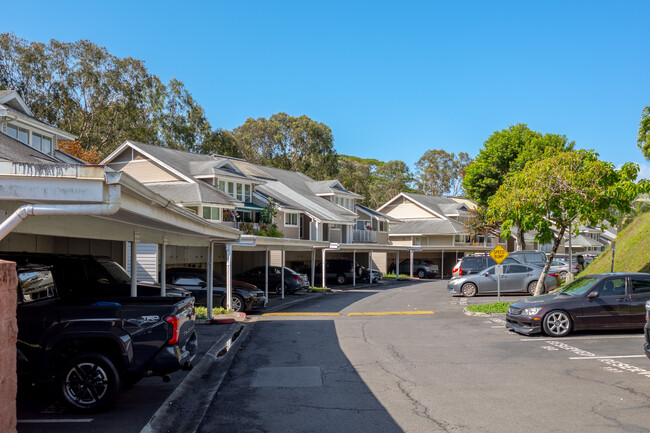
{"points": [[23, 212]]}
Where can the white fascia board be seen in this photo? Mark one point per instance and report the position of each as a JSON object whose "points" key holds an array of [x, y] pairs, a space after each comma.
{"points": [[14, 95], [39, 126], [133, 146], [401, 194]]}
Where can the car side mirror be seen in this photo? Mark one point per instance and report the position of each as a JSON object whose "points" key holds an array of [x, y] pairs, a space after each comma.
{"points": [[592, 295], [485, 274], [203, 284]]}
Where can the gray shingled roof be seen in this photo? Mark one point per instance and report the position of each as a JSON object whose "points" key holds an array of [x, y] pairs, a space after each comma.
{"points": [[378, 215], [584, 242], [330, 187], [427, 227], [293, 189], [192, 193], [16, 151], [179, 160], [441, 205]]}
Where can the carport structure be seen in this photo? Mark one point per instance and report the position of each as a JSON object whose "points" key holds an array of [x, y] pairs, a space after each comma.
{"points": [[81, 209]]}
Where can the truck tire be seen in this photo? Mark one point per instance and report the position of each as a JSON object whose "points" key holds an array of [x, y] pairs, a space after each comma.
{"points": [[89, 382]]}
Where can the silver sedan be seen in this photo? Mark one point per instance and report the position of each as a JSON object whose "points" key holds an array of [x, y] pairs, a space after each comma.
{"points": [[515, 278]]}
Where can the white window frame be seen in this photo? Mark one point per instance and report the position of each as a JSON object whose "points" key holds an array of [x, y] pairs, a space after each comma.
{"points": [[290, 217]]}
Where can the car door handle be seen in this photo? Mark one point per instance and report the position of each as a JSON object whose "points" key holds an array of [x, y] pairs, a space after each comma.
{"points": [[623, 299]]}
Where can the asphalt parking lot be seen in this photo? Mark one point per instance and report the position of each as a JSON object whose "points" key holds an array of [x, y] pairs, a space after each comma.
{"points": [[589, 381]]}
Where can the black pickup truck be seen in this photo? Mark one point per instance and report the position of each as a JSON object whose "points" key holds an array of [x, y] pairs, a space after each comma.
{"points": [[91, 347]]}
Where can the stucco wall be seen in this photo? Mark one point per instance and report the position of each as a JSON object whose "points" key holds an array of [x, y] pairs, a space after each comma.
{"points": [[8, 334]]}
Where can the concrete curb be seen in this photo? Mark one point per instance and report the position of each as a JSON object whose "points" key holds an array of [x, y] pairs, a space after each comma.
{"points": [[479, 314], [222, 319], [182, 414]]}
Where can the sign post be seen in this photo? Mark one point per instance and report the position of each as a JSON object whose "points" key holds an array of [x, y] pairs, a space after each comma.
{"points": [[499, 254]]}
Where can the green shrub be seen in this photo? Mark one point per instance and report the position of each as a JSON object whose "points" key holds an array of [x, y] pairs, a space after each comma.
{"points": [[495, 307], [202, 312]]}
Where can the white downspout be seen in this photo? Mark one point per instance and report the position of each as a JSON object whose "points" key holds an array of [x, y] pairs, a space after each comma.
{"points": [[23, 212]]}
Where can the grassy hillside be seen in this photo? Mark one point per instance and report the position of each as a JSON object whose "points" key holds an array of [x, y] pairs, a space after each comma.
{"points": [[632, 250]]}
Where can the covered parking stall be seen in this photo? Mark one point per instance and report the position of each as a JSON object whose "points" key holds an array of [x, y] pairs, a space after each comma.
{"points": [[372, 256], [445, 257], [264, 251]]}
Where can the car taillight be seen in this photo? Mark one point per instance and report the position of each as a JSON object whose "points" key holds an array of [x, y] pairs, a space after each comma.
{"points": [[554, 275], [176, 331], [459, 270], [297, 278]]}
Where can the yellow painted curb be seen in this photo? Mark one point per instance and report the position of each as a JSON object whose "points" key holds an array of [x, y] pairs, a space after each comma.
{"points": [[393, 313], [301, 314]]}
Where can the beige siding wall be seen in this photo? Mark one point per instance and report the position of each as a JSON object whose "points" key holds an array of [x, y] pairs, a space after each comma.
{"points": [[288, 231], [401, 240], [382, 237], [146, 172], [408, 210], [438, 240]]}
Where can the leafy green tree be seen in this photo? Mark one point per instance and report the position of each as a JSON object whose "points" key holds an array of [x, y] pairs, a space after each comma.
{"points": [[81, 88], [506, 151], [390, 179], [356, 175], [292, 143], [440, 172], [565, 187], [644, 132], [221, 142], [479, 223]]}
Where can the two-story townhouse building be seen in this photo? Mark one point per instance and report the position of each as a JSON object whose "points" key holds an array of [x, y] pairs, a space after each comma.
{"points": [[435, 226]]}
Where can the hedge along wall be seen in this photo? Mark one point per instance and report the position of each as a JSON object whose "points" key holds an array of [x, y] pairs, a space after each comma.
{"points": [[8, 334]]}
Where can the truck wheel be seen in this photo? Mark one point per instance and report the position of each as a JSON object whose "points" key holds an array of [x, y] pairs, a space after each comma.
{"points": [[340, 279], [421, 273], [89, 382]]}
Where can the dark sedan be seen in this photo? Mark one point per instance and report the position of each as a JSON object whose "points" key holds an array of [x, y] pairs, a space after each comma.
{"points": [[244, 296], [599, 301], [293, 281]]}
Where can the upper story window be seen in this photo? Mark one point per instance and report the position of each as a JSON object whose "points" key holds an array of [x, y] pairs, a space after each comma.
{"points": [[212, 213], [38, 141], [240, 191], [347, 203], [291, 220]]}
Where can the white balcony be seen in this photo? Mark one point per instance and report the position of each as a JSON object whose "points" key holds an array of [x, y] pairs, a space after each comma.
{"points": [[364, 236]]}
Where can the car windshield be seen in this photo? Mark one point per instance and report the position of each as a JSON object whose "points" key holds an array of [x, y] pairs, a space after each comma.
{"points": [[580, 286], [117, 272]]}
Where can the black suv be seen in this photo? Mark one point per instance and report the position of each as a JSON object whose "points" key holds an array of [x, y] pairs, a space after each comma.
{"points": [[341, 271]]}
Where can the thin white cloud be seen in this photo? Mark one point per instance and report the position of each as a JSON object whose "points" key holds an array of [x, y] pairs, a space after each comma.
{"points": [[644, 172]]}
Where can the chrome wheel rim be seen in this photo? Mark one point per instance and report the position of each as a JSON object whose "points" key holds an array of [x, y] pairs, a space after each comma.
{"points": [[236, 304], [557, 323], [469, 289], [86, 383]]}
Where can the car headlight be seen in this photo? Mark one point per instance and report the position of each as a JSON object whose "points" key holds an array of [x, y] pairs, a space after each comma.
{"points": [[530, 311]]}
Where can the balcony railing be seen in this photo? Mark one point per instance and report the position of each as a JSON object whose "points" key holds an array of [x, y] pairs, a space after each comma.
{"points": [[364, 236]]}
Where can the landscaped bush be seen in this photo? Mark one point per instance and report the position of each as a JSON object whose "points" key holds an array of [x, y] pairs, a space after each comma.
{"points": [[495, 307], [202, 312]]}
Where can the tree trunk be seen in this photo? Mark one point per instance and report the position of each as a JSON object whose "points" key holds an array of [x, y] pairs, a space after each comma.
{"points": [[521, 243], [556, 243]]}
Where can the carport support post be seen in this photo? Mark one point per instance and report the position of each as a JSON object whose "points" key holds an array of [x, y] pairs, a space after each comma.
{"points": [[209, 277], [134, 264], [411, 263], [266, 274], [370, 263], [323, 268], [282, 272], [163, 267], [397, 267], [229, 276], [313, 268], [442, 265], [354, 268]]}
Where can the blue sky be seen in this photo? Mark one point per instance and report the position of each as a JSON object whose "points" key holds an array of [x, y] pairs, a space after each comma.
{"points": [[392, 79]]}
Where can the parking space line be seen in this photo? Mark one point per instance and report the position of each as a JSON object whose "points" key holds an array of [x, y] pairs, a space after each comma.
{"points": [[393, 313], [52, 421], [300, 314], [608, 357], [580, 338]]}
